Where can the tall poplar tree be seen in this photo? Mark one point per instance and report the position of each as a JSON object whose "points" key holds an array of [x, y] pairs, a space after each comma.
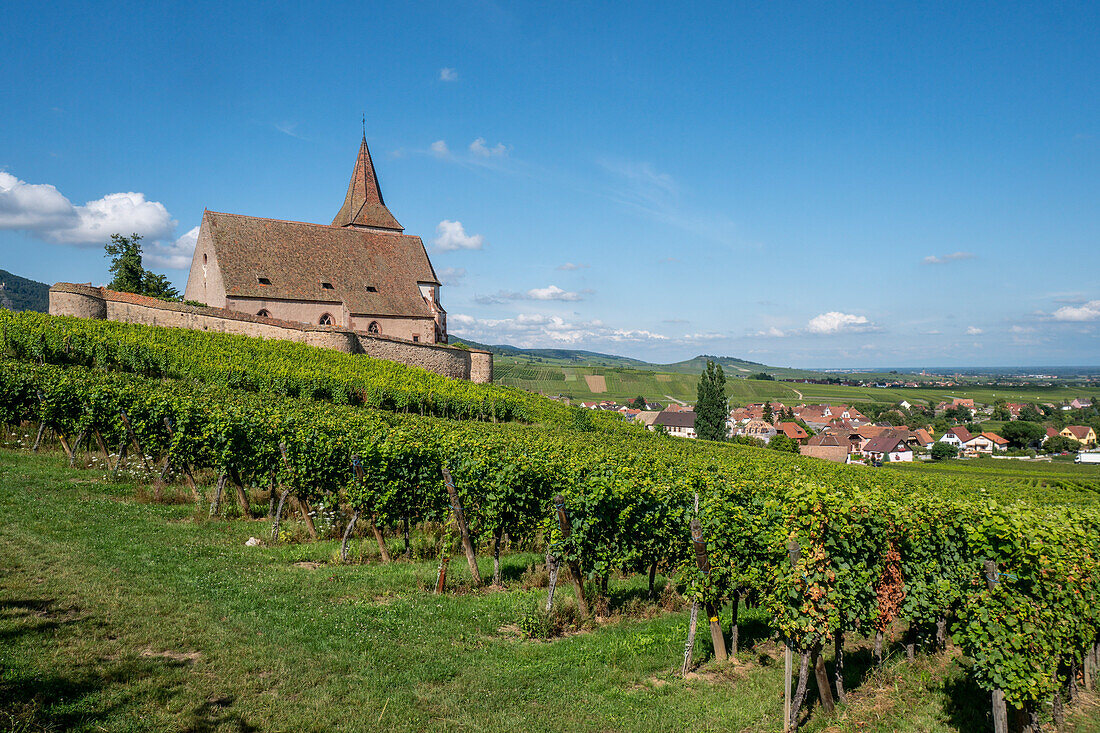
{"points": [[710, 408]]}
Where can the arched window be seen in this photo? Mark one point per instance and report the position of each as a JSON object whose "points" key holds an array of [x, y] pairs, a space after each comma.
{"points": [[263, 312], [374, 328], [204, 258], [326, 320]]}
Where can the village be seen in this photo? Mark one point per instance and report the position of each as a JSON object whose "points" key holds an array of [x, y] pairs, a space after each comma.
{"points": [[903, 432]]}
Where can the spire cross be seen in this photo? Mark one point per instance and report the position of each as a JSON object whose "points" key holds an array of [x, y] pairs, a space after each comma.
{"points": [[364, 125]]}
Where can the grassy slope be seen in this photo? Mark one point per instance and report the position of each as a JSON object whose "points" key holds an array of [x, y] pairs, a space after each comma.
{"points": [[98, 589]]}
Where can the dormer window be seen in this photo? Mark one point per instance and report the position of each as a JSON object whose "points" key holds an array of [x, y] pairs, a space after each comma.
{"points": [[372, 289], [326, 285], [263, 280]]}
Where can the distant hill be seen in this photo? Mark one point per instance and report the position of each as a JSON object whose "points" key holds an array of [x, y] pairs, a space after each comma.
{"points": [[20, 294], [560, 357], [575, 357]]}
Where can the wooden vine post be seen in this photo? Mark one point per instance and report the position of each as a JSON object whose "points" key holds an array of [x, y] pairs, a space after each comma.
{"points": [[360, 476], [574, 568], [133, 438], [282, 498], [703, 563], [1000, 711], [463, 529], [183, 464], [552, 579]]}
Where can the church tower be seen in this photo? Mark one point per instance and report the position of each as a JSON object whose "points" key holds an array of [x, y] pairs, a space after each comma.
{"points": [[363, 206]]}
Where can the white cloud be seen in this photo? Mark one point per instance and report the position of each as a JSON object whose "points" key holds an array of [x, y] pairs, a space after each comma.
{"points": [[439, 149], [944, 259], [452, 275], [451, 235], [176, 255], [1089, 311], [771, 332], [43, 211], [528, 330], [973, 331], [479, 148], [835, 322], [569, 266], [552, 292], [448, 74]]}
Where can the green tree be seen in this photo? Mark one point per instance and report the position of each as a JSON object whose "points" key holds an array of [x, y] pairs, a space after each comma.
{"points": [[781, 442], [1000, 411], [129, 274], [1030, 413], [639, 403], [1023, 433], [710, 408], [768, 414], [943, 450], [894, 417], [1061, 444], [125, 254], [763, 376]]}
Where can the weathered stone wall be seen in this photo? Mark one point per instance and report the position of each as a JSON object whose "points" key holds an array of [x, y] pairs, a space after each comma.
{"points": [[834, 453], [85, 301]]}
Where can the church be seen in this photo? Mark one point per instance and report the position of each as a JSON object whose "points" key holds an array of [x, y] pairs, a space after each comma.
{"points": [[361, 272]]}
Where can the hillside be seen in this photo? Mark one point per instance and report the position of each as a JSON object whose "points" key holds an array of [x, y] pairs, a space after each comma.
{"points": [[21, 294]]}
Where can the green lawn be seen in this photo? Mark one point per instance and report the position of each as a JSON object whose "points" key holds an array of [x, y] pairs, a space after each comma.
{"points": [[117, 614]]}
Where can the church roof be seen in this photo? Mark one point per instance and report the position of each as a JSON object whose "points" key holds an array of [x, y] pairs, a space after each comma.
{"points": [[364, 206], [371, 272]]}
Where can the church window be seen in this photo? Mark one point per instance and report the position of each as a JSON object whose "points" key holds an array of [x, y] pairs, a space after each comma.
{"points": [[326, 320], [374, 328], [327, 285], [204, 258], [416, 337], [263, 280], [263, 312], [372, 289]]}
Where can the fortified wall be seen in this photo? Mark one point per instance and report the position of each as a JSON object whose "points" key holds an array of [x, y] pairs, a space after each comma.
{"points": [[85, 301]]}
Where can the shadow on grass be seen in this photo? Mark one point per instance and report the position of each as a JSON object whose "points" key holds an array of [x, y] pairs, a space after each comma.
{"points": [[968, 706], [87, 694]]}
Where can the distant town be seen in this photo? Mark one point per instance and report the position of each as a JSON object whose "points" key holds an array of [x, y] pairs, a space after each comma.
{"points": [[900, 432]]}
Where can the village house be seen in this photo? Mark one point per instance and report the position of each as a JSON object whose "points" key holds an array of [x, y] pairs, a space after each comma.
{"points": [[957, 402], [680, 423], [1083, 434], [889, 445], [1080, 403], [826, 446], [794, 431], [957, 436], [984, 444], [920, 438], [759, 429], [361, 272]]}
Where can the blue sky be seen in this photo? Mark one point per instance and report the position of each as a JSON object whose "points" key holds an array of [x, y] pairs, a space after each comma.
{"points": [[870, 184]]}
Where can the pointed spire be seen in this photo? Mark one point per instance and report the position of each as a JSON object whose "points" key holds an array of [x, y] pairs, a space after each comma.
{"points": [[363, 206]]}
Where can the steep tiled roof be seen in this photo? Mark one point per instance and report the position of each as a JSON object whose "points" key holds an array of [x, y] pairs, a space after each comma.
{"points": [[995, 438], [961, 433], [886, 442], [296, 258], [1081, 432], [792, 430], [363, 205], [826, 439], [674, 419]]}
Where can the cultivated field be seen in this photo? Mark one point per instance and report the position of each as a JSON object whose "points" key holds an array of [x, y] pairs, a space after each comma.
{"points": [[627, 383]]}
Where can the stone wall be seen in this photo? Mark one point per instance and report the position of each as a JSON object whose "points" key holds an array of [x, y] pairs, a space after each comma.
{"points": [[834, 453], [85, 301]]}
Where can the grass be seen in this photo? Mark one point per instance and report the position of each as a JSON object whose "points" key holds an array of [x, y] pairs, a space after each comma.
{"points": [[119, 614]]}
